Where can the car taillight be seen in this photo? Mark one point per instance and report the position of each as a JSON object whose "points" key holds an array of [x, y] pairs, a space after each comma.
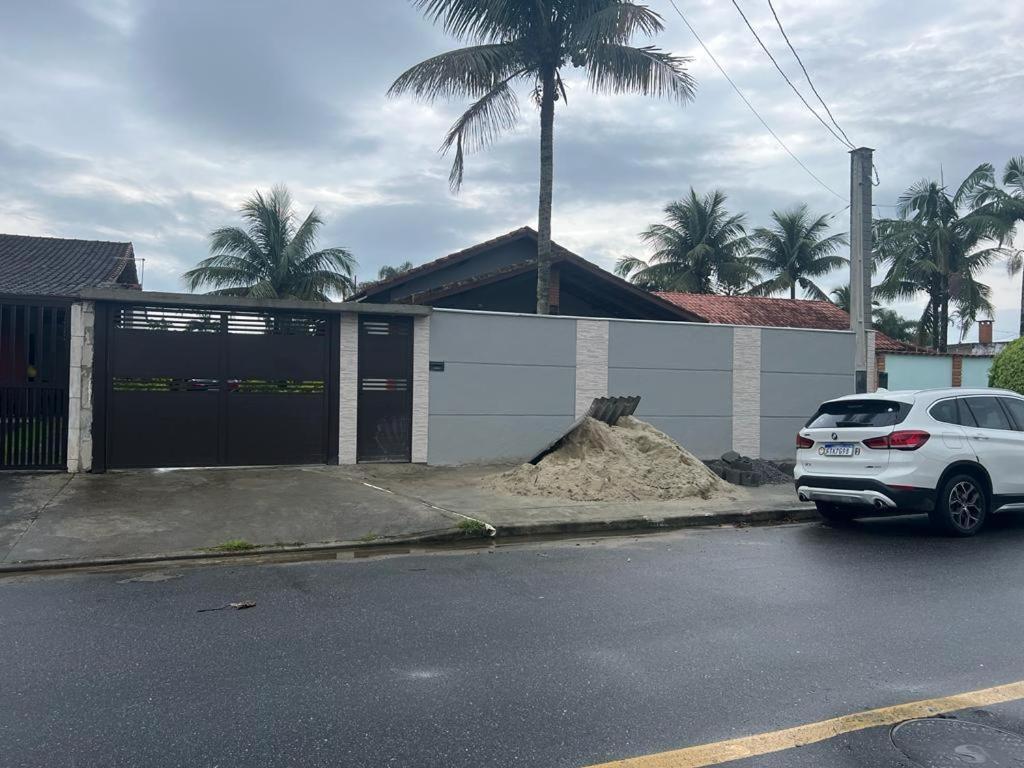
{"points": [[804, 442], [903, 440]]}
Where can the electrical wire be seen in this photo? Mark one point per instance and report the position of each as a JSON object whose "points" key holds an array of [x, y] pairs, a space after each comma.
{"points": [[749, 105], [829, 128], [807, 74]]}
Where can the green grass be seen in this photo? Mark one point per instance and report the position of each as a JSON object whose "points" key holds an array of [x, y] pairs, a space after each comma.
{"points": [[232, 545], [367, 538], [472, 527]]}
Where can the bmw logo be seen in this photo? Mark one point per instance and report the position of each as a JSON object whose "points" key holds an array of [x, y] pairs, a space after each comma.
{"points": [[835, 436]]}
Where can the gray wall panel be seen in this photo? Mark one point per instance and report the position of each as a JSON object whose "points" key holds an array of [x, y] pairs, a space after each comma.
{"points": [[484, 439], [705, 437], [478, 338], [536, 390], [778, 437], [669, 345], [787, 350], [798, 394], [675, 393]]}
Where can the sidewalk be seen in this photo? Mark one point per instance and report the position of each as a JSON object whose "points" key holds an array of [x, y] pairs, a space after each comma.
{"points": [[190, 513]]}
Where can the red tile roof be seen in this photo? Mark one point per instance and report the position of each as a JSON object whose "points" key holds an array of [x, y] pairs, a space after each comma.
{"points": [[777, 313]]}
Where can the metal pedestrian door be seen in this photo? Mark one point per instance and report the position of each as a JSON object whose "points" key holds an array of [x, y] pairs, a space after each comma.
{"points": [[385, 389], [35, 342]]}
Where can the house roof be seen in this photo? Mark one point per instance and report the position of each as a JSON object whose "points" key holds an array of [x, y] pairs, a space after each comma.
{"points": [[778, 313], [559, 254], [51, 266]]}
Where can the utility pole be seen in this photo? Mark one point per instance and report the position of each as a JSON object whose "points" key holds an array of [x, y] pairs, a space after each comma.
{"points": [[860, 259]]}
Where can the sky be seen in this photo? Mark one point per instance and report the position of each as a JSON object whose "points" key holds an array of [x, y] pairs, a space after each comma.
{"points": [[152, 121]]}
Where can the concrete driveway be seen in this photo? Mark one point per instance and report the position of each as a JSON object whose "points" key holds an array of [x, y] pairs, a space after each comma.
{"points": [[58, 516]]}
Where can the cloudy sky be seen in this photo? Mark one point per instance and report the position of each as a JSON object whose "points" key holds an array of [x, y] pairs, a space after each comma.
{"points": [[150, 121]]}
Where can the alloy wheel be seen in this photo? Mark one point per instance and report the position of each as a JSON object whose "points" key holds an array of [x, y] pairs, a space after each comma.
{"points": [[965, 504]]}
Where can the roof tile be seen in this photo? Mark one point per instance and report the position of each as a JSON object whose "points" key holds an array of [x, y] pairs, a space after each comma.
{"points": [[51, 266]]}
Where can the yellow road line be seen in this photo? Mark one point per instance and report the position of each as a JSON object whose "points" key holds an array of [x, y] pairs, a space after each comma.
{"points": [[776, 741]]}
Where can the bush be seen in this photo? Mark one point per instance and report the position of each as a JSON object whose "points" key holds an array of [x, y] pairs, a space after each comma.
{"points": [[1007, 371]]}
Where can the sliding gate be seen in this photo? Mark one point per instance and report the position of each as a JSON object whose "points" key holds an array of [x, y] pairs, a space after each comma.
{"points": [[189, 387], [35, 341]]}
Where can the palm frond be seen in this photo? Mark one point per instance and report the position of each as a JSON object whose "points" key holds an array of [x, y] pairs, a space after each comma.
{"points": [[616, 23], [494, 112], [614, 68], [978, 181], [484, 20], [471, 71]]}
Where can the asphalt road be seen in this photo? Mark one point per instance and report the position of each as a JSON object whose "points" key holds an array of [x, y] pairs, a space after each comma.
{"points": [[565, 654]]}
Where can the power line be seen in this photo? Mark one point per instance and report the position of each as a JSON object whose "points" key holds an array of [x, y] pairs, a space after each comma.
{"points": [[840, 139], [751, 106], [807, 74]]}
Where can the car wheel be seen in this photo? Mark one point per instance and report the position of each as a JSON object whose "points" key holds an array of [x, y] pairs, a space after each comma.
{"points": [[962, 506], [834, 514]]}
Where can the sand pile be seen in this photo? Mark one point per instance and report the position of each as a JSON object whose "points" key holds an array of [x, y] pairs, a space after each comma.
{"points": [[628, 462]]}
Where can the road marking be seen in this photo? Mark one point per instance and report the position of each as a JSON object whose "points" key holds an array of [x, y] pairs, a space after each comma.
{"points": [[777, 741]]}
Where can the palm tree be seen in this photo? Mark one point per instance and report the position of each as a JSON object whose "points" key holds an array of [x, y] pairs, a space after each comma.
{"points": [[535, 41], [273, 257], [938, 245], [893, 324], [794, 250], [1013, 207], [387, 272], [701, 248]]}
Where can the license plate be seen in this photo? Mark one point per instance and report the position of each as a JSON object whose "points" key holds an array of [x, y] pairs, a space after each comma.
{"points": [[838, 449]]}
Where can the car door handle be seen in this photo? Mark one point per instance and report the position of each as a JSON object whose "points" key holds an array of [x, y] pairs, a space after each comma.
{"points": [[981, 437]]}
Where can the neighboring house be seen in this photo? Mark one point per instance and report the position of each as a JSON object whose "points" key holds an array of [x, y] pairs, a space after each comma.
{"points": [[41, 381], [56, 267], [500, 275], [963, 365]]}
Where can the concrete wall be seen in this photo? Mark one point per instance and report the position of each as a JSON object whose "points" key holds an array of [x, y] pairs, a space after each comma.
{"points": [[508, 386], [512, 383], [919, 371], [975, 371], [683, 374], [799, 370]]}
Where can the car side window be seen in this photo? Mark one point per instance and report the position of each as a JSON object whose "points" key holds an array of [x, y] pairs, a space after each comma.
{"points": [[946, 411], [1016, 408], [988, 413]]}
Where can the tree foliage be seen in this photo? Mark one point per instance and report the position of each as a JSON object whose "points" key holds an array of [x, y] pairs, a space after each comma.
{"points": [[274, 256], [795, 249], [1007, 371], [701, 248]]}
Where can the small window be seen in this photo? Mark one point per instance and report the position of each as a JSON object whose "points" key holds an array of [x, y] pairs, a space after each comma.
{"points": [[987, 413], [1015, 407], [946, 411], [859, 413]]}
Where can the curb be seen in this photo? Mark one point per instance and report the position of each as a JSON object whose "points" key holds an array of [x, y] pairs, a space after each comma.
{"points": [[525, 530]]}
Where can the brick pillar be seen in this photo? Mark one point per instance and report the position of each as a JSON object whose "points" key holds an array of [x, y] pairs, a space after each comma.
{"points": [[554, 290], [958, 370], [985, 332], [879, 366]]}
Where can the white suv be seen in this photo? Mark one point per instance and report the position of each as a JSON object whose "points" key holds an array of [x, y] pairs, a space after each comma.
{"points": [[957, 454]]}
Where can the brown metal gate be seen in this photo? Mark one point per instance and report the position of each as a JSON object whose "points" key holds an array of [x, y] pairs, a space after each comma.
{"points": [[215, 387], [35, 342], [385, 389]]}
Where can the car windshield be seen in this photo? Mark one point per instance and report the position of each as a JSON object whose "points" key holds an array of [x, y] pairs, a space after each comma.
{"points": [[859, 413]]}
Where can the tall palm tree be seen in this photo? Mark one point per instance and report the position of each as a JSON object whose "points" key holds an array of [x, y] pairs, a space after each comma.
{"points": [[793, 250], [273, 256], [387, 271], [701, 248], [1013, 208], [938, 245], [514, 41]]}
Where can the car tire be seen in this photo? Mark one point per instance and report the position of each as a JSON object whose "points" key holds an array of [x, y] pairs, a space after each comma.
{"points": [[962, 506], [834, 514]]}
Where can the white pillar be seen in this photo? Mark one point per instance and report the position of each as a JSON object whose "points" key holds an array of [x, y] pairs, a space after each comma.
{"points": [[746, 391], [82, 328], [591, 363], [348, 389], [420, 387]]}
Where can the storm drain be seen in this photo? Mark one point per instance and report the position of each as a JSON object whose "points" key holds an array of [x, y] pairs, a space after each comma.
{"points": [[935, 742]]}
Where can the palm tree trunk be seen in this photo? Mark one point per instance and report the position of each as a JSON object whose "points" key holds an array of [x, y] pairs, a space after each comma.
{"points": [[792, 291], [944, 315], [547, 173]]}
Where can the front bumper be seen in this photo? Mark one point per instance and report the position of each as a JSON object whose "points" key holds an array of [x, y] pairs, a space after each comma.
{"points": [[865, 492]]}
